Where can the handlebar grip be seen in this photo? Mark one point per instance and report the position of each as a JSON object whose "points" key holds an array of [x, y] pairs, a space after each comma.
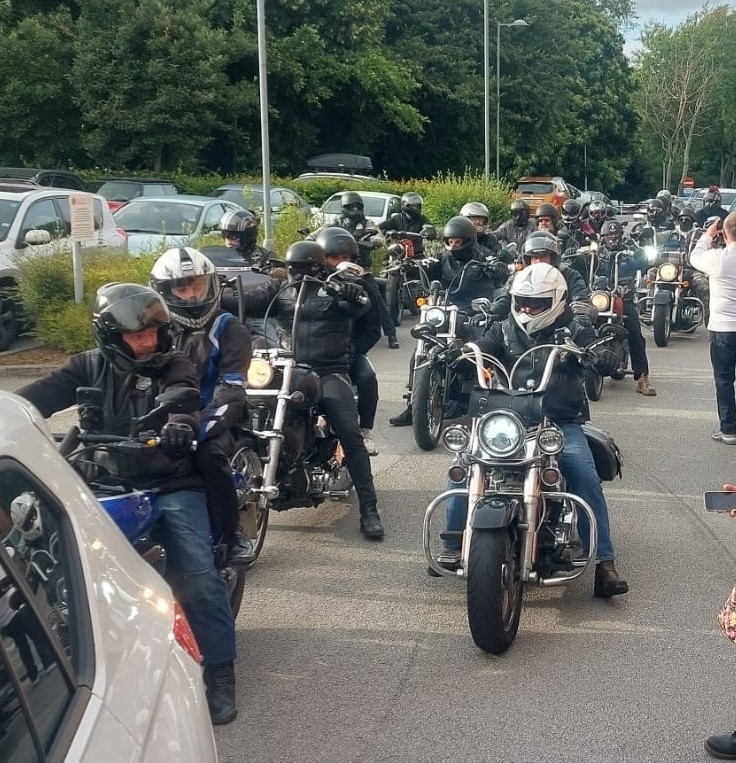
{"points": [[71, 438]]}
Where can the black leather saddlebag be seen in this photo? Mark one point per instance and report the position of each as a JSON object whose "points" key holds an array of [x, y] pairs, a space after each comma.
{"points": [[607, 457]]}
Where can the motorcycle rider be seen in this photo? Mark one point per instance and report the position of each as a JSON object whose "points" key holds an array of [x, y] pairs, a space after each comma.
{"points": [[410, 220], [239, 230], [666, 198], [220, 348], [547, 218], [597, 214], [656, 216], [711, 208], [323, 341], [612, 241], [340, 246], [573, 234], [540, 308], [461, 278], [479, 215], [132, 363], [515, 230]]}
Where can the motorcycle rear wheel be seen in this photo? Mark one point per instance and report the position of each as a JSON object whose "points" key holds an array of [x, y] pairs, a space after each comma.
{"points": [[427, 407], [494, 589], [593, 384], [393, 299], [661, 325], [253, 506]]}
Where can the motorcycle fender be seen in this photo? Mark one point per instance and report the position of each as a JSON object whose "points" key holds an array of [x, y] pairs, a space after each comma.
{"points": [[663, 297], [494, 512]]}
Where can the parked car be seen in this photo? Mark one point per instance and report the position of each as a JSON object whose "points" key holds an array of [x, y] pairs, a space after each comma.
{"points": [[537, 190], [101, 657], [306, 177], [38, 221], [118, 191], [153, 223], [377, 207], [52, 178], [250, 196], [728, 195]]}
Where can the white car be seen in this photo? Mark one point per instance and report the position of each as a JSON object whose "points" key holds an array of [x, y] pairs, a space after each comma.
{"points": [[377, 207], [35, 221], [97, 661]]}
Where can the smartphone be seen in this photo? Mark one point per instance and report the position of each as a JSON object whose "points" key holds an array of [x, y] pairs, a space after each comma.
{"points": [[718, 500]]}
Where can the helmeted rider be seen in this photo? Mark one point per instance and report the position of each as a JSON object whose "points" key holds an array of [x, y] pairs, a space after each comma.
{"points": [[597, 214], [665, 196], [539, 308], [656, 216], [547, 218], [220, 348], [132, 364], [239, 230], [479, 215], [711, 208], [635, 260], [324, 342], [515, 230], [410, 220], [573, 234]]}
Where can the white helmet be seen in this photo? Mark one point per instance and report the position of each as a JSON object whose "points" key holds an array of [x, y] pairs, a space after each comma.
{"points": [[544, 289], [26, 515], [177, 270], [476, 209]]}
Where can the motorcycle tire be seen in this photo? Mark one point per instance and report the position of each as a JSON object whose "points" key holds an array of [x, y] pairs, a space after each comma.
{"points": [[494, 589], [253, 507], [427, 406], [393, 299], [661, 325], [593, 384]]}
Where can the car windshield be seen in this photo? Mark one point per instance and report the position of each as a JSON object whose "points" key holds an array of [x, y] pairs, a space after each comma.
{"points": [[119, 191], [727, 198], [8, 210], [173, 218], [248, 197], [372, 206], [535, 188]]}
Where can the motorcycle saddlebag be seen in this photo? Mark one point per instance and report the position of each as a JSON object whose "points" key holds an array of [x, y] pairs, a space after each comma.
{"points": [[607, 457]]}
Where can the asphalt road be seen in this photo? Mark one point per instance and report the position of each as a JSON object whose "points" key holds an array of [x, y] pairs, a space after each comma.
{"points": [[350, 653]]}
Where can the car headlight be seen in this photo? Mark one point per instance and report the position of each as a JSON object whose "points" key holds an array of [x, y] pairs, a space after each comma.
{"points": [[551, 440], [260, 373], [456, 438], [435, 316], [667, 272], [500, 434], [601, 300]]}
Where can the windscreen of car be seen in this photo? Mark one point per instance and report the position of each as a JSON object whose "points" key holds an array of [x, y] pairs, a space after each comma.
{"points": [[727, 198], [535, 188], [247, 197], [173, 218], [373, 207], [8, 210]]}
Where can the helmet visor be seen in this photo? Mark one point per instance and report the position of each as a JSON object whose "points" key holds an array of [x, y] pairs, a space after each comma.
{"points": [[136, 313], [533, 305]]}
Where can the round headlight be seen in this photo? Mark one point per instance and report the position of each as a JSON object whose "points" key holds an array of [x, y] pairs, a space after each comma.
{"points": [[260, 373], [651, 252], [601, 301], [435, 316], [667, 272], [456, 438], [551, 440], [501, 434]]}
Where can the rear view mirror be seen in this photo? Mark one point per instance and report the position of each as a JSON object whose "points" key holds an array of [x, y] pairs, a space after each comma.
{"points": [[36, 237], [179, 400], [350, 270]]}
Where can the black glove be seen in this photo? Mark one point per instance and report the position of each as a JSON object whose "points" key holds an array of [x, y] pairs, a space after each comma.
{"points": [[500, 270], [351, 292], [176, 439], [606, 361], [90, 418]]}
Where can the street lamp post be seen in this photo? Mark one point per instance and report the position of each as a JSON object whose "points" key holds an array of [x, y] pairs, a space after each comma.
{"points": [[519, 23]]}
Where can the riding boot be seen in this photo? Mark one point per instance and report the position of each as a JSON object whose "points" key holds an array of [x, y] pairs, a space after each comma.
{"points": [[239, 548], [403, 419], [607, 581], [220, 682], [393, 342], [370, 522], [643, 387]]}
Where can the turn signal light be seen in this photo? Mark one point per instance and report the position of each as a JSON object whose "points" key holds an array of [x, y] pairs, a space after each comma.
{"points": [[184, 635], [421, 301], [685, 284]]}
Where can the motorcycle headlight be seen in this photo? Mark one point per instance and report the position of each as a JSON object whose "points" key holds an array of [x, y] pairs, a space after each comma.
{"points": [[260, 373], [456, 438], [500, 434], [435, 316], [551, 440], [667, 272], [601, 301], [651, 252]]}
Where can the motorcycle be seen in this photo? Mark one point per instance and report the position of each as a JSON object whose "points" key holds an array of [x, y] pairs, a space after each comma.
{"points": [[521, 525], [136, 512], [668, 303]]}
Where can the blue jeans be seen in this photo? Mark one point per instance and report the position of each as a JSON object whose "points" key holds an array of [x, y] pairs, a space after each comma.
{"points": [[723, 360], [578, 468], [191, 573]]}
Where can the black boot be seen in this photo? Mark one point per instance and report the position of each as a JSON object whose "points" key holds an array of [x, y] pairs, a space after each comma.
{"points": [[721, 746], [403, 419], [239, 549], [220, 682], [370, 522], [608, 582], [393, 342]]}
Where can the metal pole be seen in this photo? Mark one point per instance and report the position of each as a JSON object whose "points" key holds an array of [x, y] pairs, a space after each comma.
{"points": [[263, 97], [498, 99], [486, 95], [77, 272]]}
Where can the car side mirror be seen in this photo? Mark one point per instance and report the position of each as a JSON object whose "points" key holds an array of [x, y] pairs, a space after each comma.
{"points": [[37, 237]]}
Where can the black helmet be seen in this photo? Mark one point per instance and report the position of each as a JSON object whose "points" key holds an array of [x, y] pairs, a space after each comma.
{"points": [[666, 198], [461, 228], [712, 199], [125, 308], [538, 243], [411, 204], [655, 209], [305, 258], [547, 210], [336, 242], [351, 204], [242, 223], [519, 212], [686, 218], [570, 212], [612, 231]]}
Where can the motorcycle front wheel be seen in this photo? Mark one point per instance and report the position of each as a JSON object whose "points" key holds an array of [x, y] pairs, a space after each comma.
{"points": [[494, 589], [593, 384], [661, 325], [427, 406], [246, 464], [393, 299]]}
